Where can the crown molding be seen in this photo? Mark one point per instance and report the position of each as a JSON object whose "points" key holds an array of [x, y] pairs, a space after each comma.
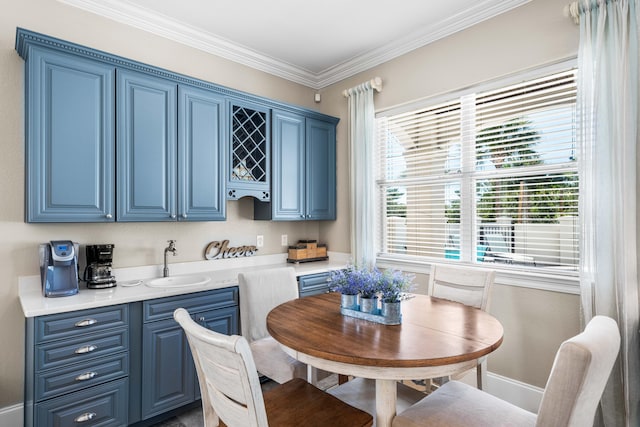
{"points": [[478, 13], [147, 20]]}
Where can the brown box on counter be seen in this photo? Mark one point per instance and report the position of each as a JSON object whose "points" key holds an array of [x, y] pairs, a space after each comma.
{"points": [[307, 250], [298, 254]]}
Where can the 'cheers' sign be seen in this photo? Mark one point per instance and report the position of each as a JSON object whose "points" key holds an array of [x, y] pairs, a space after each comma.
{"points": [[219, 250]]}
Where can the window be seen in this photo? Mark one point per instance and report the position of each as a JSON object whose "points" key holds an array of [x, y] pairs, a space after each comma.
{"points": [[488, 177]]}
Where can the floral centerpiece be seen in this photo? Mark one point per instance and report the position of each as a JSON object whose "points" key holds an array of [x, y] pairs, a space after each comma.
{"points": [[394, 285], [361, 287], [349, 282]]}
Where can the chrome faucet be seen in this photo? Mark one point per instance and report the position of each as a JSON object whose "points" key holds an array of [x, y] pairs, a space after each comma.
{"points": [[171, 248]]}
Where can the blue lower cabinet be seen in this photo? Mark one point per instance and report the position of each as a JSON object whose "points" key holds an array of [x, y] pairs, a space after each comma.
{"points": [[313, 284], [104, 406], [77, 368], [167, 371], [169, 379]]}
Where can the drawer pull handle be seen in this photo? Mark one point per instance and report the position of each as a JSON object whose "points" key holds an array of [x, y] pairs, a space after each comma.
{"points": [[86, 322], [87, 416], [86, 349], [86, 376]]}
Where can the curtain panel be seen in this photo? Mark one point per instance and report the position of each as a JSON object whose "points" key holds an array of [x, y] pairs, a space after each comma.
{"points": [[608, 119], [361, 162]]}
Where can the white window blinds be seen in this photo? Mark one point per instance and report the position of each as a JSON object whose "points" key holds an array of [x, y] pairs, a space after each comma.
{"points": [[489, 177]]}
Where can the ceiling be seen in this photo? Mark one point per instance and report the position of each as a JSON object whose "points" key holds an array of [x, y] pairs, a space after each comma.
{"points": [[311, 43]]}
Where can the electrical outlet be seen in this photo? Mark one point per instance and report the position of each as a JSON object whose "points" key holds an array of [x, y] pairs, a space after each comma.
{"points": [[284, 240], [260, 241]]}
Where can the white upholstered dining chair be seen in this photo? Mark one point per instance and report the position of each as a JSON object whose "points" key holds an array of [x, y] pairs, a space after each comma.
{"points": [[579, 374], [231, 392], [260, 292], [467, 285]]}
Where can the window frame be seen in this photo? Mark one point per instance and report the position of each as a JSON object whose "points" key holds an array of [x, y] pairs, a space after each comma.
{"points": [[522, 276]]}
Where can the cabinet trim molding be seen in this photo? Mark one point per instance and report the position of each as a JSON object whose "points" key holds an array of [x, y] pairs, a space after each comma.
{"points": [[26, 38]]}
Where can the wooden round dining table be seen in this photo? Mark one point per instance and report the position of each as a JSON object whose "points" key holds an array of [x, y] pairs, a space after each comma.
{"points": [[436, 338]]}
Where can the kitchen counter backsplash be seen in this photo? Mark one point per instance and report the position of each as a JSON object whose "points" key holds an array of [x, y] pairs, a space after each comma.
{"points": [[131, 285]]}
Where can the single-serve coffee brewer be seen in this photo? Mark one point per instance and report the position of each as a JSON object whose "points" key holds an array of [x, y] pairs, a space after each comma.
{"points": [[97, 273], [59, 268]]}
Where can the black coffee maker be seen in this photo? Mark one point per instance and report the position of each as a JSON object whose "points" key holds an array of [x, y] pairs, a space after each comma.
{"points": [[97, 273]]}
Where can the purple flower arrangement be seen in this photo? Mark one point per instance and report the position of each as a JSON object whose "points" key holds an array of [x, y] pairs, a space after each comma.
{"points": [[370, 282], [394, 285]]}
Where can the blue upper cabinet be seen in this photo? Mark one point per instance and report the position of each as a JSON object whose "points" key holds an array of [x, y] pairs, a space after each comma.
{"points": [[249, 172], [288, 163], [112, 139], [147, 147], [304, 170], [69, 138], [320, 173], [201, 155]]}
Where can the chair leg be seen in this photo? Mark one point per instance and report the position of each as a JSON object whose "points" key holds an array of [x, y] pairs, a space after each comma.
{"points": [[479, 376], [342, 379]]}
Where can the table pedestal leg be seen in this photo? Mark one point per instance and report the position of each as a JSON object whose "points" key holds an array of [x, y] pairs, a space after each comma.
{"points": [[386, 396], [312, 375]]}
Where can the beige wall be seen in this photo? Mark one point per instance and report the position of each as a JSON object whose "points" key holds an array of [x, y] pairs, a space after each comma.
{"points": [[533, 34]]}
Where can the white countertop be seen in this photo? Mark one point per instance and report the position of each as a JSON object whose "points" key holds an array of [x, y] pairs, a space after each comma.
{"points": [[223, 273]]}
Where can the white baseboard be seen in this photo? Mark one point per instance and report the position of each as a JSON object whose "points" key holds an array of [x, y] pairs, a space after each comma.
{"points": [[518, 393], [12, 416]]}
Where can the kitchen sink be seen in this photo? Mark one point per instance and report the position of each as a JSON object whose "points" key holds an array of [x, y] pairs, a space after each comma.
{"points": [[178, 281]]}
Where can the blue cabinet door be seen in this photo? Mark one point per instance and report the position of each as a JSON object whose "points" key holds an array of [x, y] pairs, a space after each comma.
{"points": [[168, 372], [70, 139], [201, 155], [304, 170], [146, 162], [313, 284], [320, 170], [288, 163]]}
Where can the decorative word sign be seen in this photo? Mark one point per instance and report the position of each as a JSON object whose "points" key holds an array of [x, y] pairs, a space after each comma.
{"points": [[220, 250]]}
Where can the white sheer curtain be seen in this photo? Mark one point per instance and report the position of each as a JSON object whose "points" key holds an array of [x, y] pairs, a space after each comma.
{"points": [[361, 151], [608, 113]]}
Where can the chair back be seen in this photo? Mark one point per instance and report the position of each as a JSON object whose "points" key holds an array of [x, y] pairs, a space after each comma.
{"points": [[579, 374], [469, 286], [260, 292], [227, 375]]}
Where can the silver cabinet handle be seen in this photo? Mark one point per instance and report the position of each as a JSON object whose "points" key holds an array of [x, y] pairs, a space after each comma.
{"points": [[85, 322], [184, 215], [108, 216], [85, 349], [201, 319], [86, 376], [87, 416], [173, 216]]}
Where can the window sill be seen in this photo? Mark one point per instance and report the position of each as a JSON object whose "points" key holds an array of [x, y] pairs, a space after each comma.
{"points": [[562, 281]]}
